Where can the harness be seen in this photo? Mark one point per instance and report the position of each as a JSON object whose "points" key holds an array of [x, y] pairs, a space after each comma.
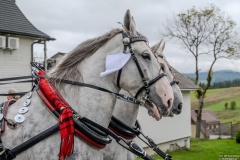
{"points": [[129, 133], [83, 127]]}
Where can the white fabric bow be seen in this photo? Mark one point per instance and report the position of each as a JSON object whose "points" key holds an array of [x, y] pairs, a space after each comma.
{"points": [[115, 62]]}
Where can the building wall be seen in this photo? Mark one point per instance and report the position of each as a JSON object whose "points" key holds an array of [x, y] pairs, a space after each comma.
{"points": [[16, 64], [168, 131]]}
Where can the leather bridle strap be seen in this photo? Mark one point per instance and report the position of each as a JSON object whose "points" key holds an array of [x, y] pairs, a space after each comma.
{"points": [[174, 82], [128, 45], [119, 77], [119, 96], [150, 83], [146, 84]]}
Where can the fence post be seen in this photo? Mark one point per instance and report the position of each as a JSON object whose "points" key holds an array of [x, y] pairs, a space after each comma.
{"points": [[231, 130], [219, 129]]}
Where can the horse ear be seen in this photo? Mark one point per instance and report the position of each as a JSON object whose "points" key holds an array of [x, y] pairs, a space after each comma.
{"points": [[158, 48], [129, 24]]}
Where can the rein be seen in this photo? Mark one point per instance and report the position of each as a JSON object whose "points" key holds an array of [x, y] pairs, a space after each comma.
{"points": [[127, 132]]}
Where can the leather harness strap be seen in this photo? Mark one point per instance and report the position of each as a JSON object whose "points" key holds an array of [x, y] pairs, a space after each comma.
{"points": [[95, 141]]}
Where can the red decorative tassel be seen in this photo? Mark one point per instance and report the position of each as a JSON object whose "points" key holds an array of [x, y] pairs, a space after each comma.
{"points": [[65, 118], [67, 133]]}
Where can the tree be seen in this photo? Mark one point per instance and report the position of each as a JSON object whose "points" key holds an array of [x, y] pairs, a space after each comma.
{"points": [[233, 105], [204, 31], [226, 105]]}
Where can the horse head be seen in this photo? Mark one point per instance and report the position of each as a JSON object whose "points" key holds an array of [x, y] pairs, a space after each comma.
{"points": [[143, 72], [178, 99]]}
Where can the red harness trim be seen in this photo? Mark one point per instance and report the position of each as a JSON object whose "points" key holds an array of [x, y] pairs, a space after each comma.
{"points": [[55, 99], [65, 118], [77, 132], [120, 134]]}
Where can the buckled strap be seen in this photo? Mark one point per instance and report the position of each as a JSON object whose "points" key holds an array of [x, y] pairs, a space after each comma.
{"points": [[150, 83], [85, 130], [174, 82], [7, 155]]}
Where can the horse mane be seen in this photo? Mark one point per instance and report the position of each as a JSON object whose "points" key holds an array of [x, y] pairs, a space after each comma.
{"points": [[68, 66]]}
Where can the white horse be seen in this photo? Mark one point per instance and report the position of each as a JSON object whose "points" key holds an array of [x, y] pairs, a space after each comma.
{"points": [[127, 112], [157, 49], [84, 64]]}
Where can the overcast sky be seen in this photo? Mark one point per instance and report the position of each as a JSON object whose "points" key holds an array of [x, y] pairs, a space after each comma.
{"points": [[74, 21]]}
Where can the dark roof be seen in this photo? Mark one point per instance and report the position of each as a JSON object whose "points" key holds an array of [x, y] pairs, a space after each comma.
{"points": [[207, 115], [208, 119], [13, 21], [184, 82]]}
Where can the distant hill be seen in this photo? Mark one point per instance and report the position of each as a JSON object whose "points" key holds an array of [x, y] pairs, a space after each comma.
{"points": [[218, 76]]}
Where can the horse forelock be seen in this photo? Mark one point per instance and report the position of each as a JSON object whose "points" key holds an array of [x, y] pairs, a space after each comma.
{"points": [[68, 66]]}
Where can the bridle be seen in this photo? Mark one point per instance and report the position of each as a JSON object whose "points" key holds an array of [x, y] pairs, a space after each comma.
{"points": [[127, 44], [174, 81]]}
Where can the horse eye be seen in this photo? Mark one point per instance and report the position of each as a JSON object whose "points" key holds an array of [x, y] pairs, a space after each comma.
{"points": [[146, 56]]}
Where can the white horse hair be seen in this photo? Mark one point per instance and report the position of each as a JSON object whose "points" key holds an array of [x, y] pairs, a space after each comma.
{"points": [[84, 64], [127, 112]]}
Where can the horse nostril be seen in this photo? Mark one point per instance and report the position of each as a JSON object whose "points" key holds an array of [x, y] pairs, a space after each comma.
{"points": [[169, 103], [179, 107]]}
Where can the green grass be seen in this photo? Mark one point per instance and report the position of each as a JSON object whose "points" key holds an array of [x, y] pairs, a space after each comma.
{"points": [[215, 100], [215, 96], [202, 149], [228, 116], [221, 107]]}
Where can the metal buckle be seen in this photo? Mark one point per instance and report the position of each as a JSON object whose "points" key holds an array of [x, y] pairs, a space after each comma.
{"points": [[77, 116], [136, 148], [143, 101]]}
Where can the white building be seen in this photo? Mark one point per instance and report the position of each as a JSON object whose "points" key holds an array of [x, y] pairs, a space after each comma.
{"points": [[170, 133], [17, 39]]}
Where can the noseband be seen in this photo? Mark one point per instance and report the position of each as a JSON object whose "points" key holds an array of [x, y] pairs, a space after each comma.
{"points": [[127, 44]]}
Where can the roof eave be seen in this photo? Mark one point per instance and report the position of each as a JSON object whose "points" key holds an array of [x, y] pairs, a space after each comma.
{"points": [[29, 35], [189, 89]]}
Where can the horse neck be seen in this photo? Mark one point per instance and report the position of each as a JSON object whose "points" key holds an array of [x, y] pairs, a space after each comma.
{"points": [[125, 111], [93, 104]]}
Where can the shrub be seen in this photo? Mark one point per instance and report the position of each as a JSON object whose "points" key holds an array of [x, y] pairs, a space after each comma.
{"points": [[233, 105], [226, 105], [238, 137]]}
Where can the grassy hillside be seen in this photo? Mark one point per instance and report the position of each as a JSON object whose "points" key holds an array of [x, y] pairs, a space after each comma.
{"points": [[215, 100], [203, 149]]}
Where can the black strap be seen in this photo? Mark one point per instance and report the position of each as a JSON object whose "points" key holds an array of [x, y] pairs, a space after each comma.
{"points": [[131, 131], [11, 154], [15, 78], [136, 131], [174, 82], [14, 94], [119, 96], [26, 81], [150, 83], [119, 77]]}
